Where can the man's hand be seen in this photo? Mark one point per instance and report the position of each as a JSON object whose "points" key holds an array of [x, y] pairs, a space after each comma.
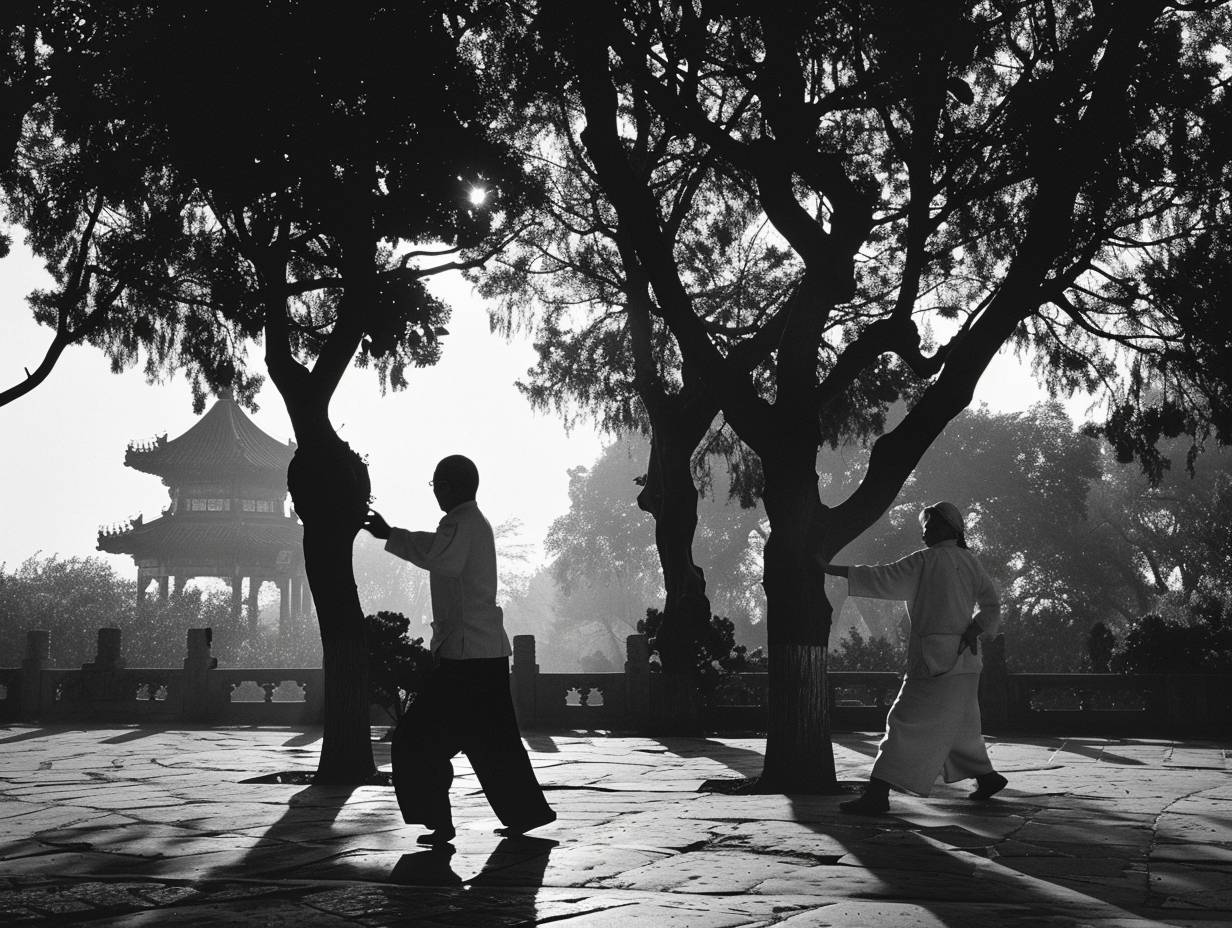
{"points": [[970, 639], [377, 525]]}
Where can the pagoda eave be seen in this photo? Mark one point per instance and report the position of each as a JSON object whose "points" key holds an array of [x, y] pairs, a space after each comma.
{"points": [[272, 541]]}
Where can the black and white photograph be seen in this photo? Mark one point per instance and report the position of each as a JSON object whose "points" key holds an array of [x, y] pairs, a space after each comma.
{"points": [[604, 463]]}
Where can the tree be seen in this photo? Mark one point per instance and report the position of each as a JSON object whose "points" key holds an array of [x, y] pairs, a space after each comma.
{"points": [[1024, 480], [74, 597], [1174, 532], [607, 564], [994, 170], [576, 279], [336, 137]]}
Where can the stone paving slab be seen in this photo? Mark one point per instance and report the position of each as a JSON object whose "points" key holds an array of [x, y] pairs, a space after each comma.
{"points": [[121, 826]]}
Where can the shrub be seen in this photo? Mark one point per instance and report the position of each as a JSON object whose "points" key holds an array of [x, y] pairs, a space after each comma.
{"points": [[1158, 645], [717, 652], [855, 652], [397, 665]]}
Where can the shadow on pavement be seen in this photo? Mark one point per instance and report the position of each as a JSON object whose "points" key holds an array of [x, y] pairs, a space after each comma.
{"points": [[135, 735], [744, 761], [540, 743], [938, 857], [1085, 749], [35, 733], [311, 736], [300, 837], [514, 862]]}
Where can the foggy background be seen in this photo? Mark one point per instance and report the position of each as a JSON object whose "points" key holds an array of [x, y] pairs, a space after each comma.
{"points": [[578, 564]]}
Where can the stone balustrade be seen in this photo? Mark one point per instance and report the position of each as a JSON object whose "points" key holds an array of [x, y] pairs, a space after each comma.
{"points": [[200, 692]]}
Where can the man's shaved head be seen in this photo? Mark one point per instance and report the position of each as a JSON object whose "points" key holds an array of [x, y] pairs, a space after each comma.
{"points": [[460, 473]]}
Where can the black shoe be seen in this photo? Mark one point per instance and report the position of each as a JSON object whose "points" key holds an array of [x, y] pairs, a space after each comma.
{"points": [[518, 829], [989, 785], [867, 804], [438, 838]]}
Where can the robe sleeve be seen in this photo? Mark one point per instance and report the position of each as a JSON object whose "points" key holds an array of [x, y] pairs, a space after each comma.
{"points": [[441, 552], [898, 580]]}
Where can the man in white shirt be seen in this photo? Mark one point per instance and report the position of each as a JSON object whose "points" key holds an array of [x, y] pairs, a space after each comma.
{"points": [[466, 705], [934, 725]]}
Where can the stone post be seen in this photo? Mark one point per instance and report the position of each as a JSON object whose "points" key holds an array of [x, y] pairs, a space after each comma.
{"points": [[637, 679], [38, 659], [524, 679], [109, 655], [994, 685], [197, 665], [100, 679]]}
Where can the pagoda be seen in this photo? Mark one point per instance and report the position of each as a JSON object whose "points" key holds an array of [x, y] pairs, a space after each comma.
{"points": [[227, 517]]}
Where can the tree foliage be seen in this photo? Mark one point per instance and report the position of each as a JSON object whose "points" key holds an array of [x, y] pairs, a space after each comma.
{"points": [[74, 597]]}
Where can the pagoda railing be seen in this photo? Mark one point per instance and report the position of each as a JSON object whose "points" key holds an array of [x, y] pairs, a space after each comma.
{"points": [[105, 690]]}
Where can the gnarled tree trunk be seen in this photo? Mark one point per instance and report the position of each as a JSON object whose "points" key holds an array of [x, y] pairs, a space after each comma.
{"points": [[330, 488], [798, 753], [670, 496]]}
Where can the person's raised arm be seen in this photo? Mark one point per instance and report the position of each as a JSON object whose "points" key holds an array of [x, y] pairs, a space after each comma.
{"points": [[441, 552]]}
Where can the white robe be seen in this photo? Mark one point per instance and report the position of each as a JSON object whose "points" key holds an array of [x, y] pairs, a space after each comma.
{"points": [[934, 725]]}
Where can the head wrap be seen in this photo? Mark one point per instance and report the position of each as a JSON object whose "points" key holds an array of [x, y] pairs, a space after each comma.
{"points": [[948, 513]]}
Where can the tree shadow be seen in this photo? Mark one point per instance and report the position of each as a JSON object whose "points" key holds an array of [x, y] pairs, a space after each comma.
{"points": [[135, 735], [540, 742], [1084, 748], [308, 736], [299, 838], [35, 733], [745, 761], [964, 862]]}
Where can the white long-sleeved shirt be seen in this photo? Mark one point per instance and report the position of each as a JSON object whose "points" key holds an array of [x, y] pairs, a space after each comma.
{"points": [[460, 557], [944, 587]]}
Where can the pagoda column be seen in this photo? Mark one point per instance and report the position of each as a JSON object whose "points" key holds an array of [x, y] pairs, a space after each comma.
{"points": [[254, 614], [284, 606], [237, 596], [306, 608], [163, 589]]}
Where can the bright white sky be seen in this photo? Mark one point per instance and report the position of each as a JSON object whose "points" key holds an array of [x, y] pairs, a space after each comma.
{"points": [[62, 472]]}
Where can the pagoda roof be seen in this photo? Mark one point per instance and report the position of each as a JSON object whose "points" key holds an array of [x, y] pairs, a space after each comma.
{"points": [[222, 442], [172, 535]]}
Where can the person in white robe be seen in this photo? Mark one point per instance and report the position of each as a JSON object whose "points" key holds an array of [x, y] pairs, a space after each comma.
{"points": [[934, 725]]}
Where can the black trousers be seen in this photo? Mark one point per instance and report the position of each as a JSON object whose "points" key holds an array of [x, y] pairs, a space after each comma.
{"points": [[465, 707]]}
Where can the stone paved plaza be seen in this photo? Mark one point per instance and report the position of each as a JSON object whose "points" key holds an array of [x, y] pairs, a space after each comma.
{"points": [[153, 826]]}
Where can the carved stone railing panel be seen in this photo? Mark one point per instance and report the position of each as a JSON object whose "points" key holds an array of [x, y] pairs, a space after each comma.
{"points": [[248, 691], [290, 690], [581, 700]]}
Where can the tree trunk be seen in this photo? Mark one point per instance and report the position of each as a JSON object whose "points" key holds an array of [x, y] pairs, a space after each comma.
{"points": [[670, 496], [799, 758], [330, 487]]}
